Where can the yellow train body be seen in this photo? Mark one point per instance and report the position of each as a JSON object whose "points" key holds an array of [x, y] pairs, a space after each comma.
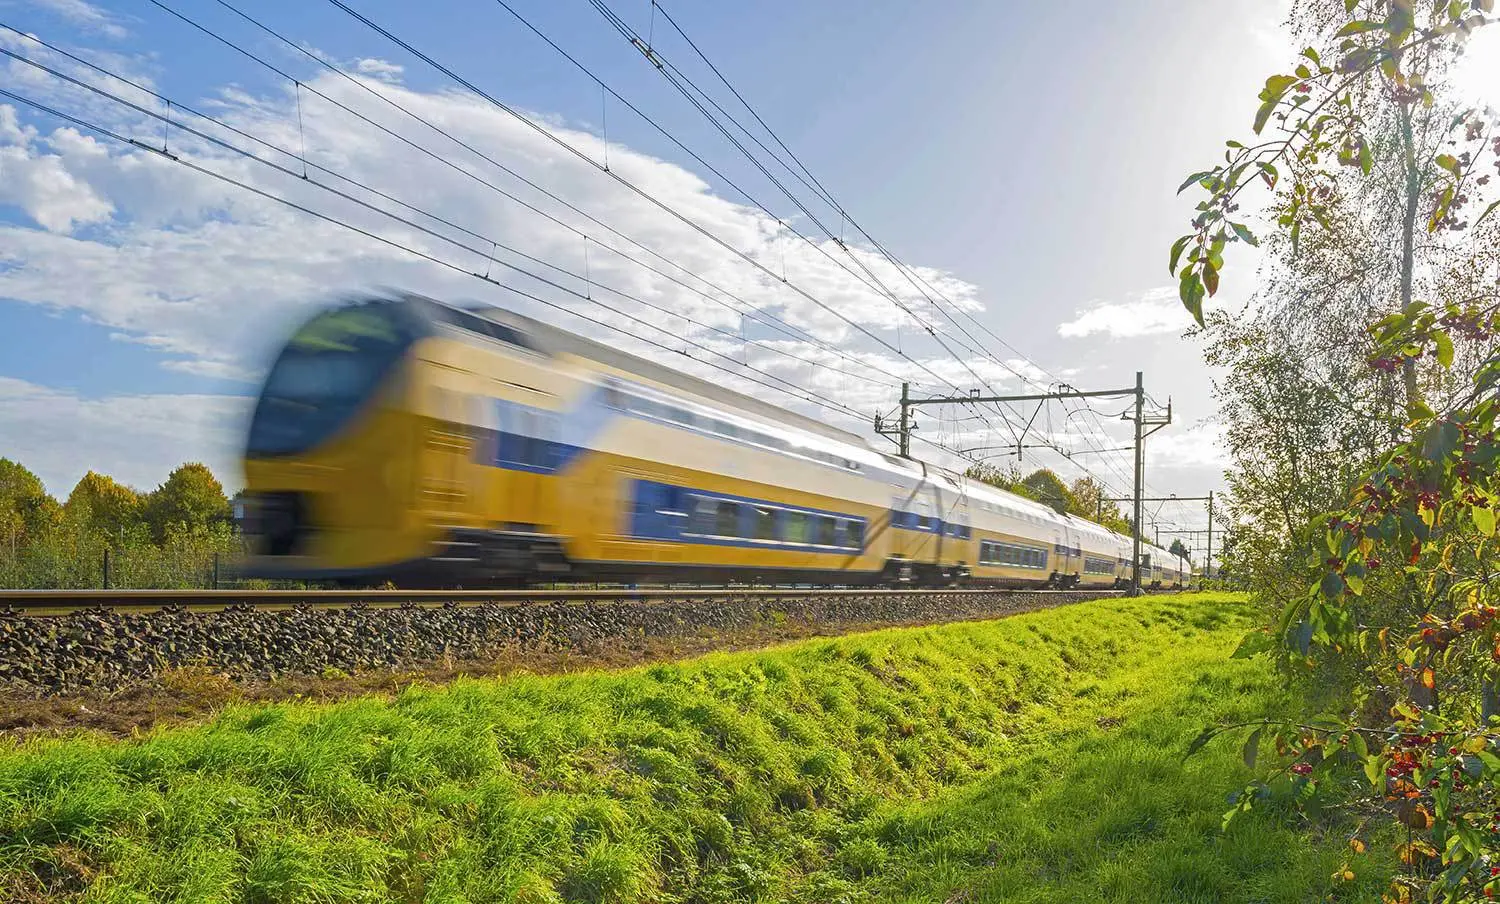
{"points": [[475, 451]]}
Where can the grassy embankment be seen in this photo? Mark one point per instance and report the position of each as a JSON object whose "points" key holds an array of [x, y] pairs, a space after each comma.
{"points": [[1037, 758]]}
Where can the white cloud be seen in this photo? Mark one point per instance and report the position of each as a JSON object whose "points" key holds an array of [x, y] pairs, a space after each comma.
{"points": [[381, 69], [1154, 312], [85, 15], [135, 438], [1200, 446], [44, 186], [211, 275], [191, 265]]}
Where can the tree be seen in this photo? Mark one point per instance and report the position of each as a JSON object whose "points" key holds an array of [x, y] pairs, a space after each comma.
{"points": [[1007, 479], [1089, 501], [1371, 168], [191, 498], [26, 511], [1048, 489], [1179, 549], [101, 507]]}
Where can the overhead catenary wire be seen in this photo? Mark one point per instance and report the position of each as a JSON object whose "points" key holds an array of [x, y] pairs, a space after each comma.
{"points": [[682, 83], [756, 314], [626, 183], [303, 159], [108, 132], [818, 188], [550, 136], [307, 164], [869, 279]]}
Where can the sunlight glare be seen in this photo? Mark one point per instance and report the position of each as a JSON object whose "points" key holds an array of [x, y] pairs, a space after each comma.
{"points": [[1477, 75]]}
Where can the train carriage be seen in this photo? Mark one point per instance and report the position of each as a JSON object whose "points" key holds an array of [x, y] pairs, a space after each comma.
{"points": [[406, 439]]}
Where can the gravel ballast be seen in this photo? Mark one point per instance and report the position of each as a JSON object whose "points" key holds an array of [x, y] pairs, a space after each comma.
{"points": [[104, 649]]}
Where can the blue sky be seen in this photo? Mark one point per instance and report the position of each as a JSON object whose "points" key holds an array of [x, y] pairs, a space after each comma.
{"points": [[1026, 155]]}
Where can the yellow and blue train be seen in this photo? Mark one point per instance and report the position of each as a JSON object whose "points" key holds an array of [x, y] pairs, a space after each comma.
{"points": [[400, 438]]}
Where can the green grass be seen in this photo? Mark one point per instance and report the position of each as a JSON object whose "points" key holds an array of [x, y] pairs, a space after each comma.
{"points": [[1037, 758]]}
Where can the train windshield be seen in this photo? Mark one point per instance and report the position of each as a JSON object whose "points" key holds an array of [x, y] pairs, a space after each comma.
{"points": [[331, 365]]}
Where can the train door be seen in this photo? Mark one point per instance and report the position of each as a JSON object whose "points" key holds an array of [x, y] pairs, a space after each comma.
{"points": [[447, 451], [1059, 557]]}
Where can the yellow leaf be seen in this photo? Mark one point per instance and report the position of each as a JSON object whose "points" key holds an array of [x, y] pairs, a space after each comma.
{"points": [[1359, 846]]}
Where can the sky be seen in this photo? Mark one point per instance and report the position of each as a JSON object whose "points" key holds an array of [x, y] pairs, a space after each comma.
{"points": [[1023, 159]]}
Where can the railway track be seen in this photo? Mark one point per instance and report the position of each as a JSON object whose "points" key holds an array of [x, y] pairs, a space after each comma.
{"points": [[62, 602], [61, 642]]}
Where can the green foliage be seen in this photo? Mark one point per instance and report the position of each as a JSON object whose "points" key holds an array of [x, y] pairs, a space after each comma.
{"points": [[1048, 489], [191, 498], [1391, 590], [1322, 115], [1084, 499], [168, 539], [1179, 549], [99, 505], [1088, 499], [1033, 758], [26, 511], [1007, 479]]}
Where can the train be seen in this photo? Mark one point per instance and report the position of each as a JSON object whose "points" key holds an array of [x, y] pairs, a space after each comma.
{"points": [[398, 438]]}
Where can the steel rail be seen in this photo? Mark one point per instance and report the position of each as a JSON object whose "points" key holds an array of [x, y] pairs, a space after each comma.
{"points": [[72, 600]]}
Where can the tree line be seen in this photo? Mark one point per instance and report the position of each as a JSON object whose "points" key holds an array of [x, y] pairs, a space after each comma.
{"points": [[166, 537]]}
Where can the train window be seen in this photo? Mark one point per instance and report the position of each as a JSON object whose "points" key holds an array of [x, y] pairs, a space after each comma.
{"points": [[826, 531], [854, 534], [765, 523], [703, 515], [727, 524], [614, 398], [476, 324], [796, 527]]}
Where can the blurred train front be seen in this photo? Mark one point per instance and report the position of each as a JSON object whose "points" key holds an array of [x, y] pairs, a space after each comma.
{"points": [[333, 446]]}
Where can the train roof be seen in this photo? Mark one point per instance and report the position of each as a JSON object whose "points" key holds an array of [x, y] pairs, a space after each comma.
{"points": [[555, 340]]}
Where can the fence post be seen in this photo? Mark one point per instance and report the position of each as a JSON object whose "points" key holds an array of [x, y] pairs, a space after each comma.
{"points": [[106, 568], [216, 571]]}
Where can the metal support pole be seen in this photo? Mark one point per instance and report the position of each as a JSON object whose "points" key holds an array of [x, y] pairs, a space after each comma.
{"points": [[216, 571], [106, 568], [905, 435], [1140, 468], [1208, 557]]}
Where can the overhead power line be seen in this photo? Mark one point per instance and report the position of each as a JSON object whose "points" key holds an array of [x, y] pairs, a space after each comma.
{"points": [[754, 313], [308, 164], [626, 183], [164, 153], [868, 278], [799, 170]]}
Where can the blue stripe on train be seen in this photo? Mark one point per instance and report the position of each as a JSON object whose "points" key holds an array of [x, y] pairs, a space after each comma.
{"points": [[664, 511]]}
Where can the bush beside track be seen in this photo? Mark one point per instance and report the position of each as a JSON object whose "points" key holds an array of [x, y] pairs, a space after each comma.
{"points": [[1037, 758], [102, 649]]}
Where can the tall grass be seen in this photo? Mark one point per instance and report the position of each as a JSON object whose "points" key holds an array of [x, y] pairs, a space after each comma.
{"points": [[1036, 758], [74, 559]]}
